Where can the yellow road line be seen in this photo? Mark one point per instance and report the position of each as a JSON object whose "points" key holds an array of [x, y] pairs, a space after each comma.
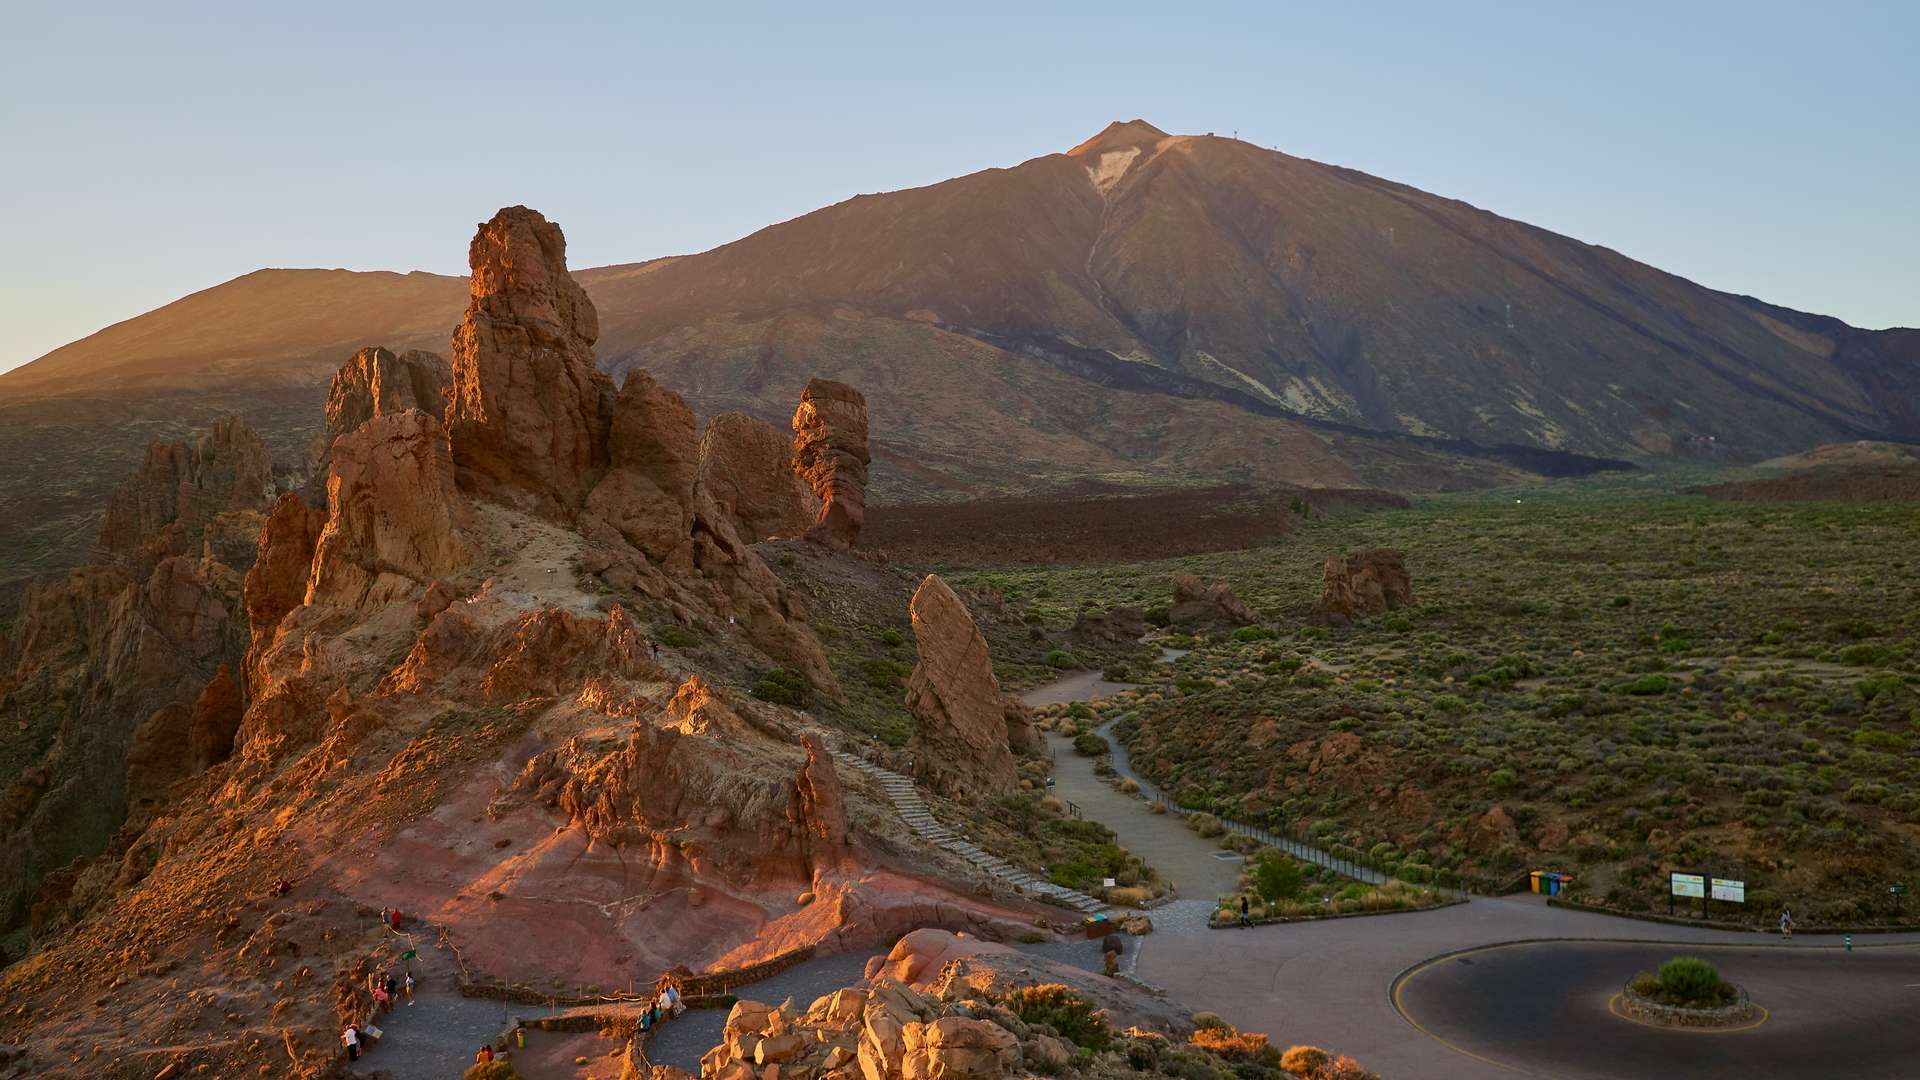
{"points": [[1401, 985]]}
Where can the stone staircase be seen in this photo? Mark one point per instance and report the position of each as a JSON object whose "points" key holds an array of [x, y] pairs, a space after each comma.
{"points": [[906, 799]]}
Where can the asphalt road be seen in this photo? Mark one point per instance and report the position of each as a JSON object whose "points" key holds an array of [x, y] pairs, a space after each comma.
{"points": [[1541, 1009]]}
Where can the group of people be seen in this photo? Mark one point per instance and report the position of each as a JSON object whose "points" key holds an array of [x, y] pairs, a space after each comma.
{"points": [[386, 990], [665, 1003]]}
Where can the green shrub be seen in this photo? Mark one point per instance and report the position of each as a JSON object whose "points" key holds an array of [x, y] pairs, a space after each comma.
{"points": [[1061, 659], [1449, 703], [892, 637], [1159, 616], [1689, 980], [1863, 654], [783, 687], [1502, 779], [490, 1070], [675, 636], [884, 674], [1116, 673], [1648, 685], [1254, 633], [1091, 745], [1071, 1016]]}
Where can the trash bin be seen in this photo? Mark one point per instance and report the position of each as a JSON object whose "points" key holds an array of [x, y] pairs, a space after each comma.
{"points": [[1552, 882], [1538, 885]]}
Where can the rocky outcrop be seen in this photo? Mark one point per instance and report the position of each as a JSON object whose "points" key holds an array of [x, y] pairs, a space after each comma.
{"points": [[830, 454], [703, 789], [277, 581], [377, 382], [647, 495], [964, 727], [747, 469], [1198, 606], [529, 411], [1363, 583], [164, 507], [1118, 626], [179, 742], [396, 521]]}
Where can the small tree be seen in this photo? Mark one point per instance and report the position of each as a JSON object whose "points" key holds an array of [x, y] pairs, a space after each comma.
{"points": [[1276, 877]]}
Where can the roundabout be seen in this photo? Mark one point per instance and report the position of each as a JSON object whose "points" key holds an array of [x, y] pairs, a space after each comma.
{"points": [[1555, 1009]]}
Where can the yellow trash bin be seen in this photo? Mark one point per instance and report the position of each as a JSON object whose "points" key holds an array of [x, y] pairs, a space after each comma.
{"points": [[1535, 878]]}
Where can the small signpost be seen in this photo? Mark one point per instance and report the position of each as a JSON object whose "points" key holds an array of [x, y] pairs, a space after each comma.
{"points": [[1897, 890]]}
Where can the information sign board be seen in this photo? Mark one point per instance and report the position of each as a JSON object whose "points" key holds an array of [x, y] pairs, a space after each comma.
{"points": [[1688, 885], [1726, 889]]}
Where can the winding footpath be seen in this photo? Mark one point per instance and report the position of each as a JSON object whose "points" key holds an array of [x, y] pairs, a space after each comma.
{"points": [[1501, 986]]}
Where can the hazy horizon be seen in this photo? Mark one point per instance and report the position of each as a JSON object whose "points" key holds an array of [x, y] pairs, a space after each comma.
{"points": [[167, 153]]}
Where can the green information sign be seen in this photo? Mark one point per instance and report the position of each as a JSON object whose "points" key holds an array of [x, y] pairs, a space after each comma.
{"points": [[1896, 889]]}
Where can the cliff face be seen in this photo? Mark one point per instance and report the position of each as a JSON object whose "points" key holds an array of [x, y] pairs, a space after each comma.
{"points": [[114, 663]]}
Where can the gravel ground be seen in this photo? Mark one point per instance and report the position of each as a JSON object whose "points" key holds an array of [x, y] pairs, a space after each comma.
{"points": [[437, 1035]]}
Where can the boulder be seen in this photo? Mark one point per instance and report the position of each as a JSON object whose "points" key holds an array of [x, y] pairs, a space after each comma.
{"points": [[747, 469], [396, 522], [1118, 626], [958, 1048], [1197, 606], [960, 744], [529, 411], [1363, 583], [830, 454]]}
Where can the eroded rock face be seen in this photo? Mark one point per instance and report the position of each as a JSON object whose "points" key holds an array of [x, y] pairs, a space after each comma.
{"points": [[377, 382], [529, 411], [747, 469], [163, 508], [1197, 605], [960, 744], [396, 521], [703, 788], [647, 495], [1363, 583], [830, 454], [277, 581]]}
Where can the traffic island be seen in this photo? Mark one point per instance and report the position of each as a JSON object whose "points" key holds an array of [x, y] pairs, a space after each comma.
{"points": [[1687, 993]]}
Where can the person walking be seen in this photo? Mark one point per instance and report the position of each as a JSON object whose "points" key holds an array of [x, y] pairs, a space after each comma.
{"points": [[409, 987], [351, 1037], [1786, 923], [1246, 911]]}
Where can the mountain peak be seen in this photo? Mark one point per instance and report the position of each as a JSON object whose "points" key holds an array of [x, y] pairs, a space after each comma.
{"points": [[1120, 135]]}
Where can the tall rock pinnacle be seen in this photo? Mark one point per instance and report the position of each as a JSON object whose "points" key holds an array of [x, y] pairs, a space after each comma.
{"points": [[529, 411]]}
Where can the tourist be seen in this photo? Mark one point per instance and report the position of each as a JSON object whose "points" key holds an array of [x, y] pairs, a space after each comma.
{"points": [[282, 887], [382, 1001], [1246, 915], [485, 1055], [1786, 923], [674, 1004], [351, 1037], [409, 985], [646, 1021], [653, 1010]]}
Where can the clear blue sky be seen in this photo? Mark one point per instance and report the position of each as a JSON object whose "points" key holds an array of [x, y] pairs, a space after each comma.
{"points": [[148, 152]]}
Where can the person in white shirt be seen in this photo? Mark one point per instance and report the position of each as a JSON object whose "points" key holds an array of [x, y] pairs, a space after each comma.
{"points": [[351, 1037]]}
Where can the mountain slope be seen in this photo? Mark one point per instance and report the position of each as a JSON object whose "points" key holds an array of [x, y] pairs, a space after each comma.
{"points": [[1142, 309]]}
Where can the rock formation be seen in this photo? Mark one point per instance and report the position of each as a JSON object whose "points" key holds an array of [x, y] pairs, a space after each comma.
{"points": [[747, 469], [1199, 606], [1117, 626], [277, 581], [1363, 583], [396, 521], [830, 454], [529, 411], [647, 494], [126, 644], [376, 382], [164, 508], [964, 728]]}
